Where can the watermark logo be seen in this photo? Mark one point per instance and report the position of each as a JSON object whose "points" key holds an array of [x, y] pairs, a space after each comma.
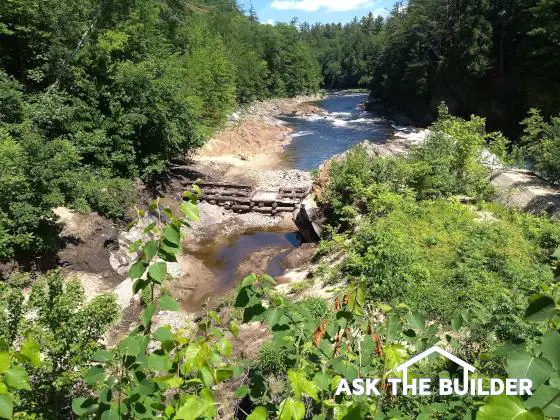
{"points": [[468, 385]]}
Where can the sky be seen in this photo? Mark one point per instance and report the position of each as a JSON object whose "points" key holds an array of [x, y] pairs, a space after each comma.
{"points": [[312, 11]]}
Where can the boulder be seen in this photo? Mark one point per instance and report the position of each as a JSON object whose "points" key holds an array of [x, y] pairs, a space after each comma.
{"points": [[299, 256], [309, 219], [525, 191]]}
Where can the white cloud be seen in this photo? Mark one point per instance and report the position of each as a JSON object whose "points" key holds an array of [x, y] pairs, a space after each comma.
{"points": [[314, 5], [269, 22], [383, 12]]}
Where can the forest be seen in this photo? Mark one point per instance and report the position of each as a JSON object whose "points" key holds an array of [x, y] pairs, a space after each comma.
{"points": [[97, 96], [490, 58]]}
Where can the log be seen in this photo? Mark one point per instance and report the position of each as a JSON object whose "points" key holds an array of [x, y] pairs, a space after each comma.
{"points": [[240, 207], [263, 209], [226, 198]]}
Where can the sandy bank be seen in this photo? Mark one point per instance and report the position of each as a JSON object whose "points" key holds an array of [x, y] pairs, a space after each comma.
{"points": [[255, 138]]}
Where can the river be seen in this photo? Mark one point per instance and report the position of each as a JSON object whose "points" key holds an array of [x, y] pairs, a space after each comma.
{"points": [[316, 138], [345, 123]]}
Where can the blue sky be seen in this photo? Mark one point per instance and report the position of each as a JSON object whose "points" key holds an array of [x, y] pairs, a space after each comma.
{"points": [[270, 11]]}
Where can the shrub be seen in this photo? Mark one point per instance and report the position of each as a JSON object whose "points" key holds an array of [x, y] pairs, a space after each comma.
{"points": [[541, 142], [318, 307], [66, 329], [440, 257], [447, 163], [273, 359]]}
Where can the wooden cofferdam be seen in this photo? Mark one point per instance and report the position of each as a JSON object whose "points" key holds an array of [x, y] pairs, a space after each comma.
{"points": [[244, 198]]}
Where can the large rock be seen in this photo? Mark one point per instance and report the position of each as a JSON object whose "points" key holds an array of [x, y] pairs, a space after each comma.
{"points": [[309, 219], [299, 256], [525, 191]]}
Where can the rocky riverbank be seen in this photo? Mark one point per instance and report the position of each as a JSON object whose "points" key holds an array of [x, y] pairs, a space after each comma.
{"points": [[248, 151]]}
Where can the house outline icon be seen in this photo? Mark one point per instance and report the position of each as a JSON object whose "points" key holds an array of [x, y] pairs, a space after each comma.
{"points": [[435, 349]]}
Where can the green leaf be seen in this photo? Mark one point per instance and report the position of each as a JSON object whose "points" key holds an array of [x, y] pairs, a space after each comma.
{"points": [[167, 303], [395, 354], [83, 406], [168, 250], [111, 414], [556, 254], [301, 385], [30, 349], [223, 374], [129, 346], [234, 328], [147, 314], [158, 271], [168, 213], [102, 356], [467, 315], [550, 348], [249, 280], [507, 408], [322, 380], [144, 388], [153, 205], [149, 228], [176, 381], [196, 189], [242, 391], [190, 210], [524, 365], [540, 308], [507, 348], [291, 410], [555, 380], [137, 269], [547, 399], [215, 317], [150, 250], [224, 347], [273, 316], [172, 234], [6, 406], [195, 407], [139, 284], [5, 362], [95, 375], [16, 377], [206, 375], [258, 413], [456, 323], [158, 362], [416, 321], [267, 280], [163, 334]]}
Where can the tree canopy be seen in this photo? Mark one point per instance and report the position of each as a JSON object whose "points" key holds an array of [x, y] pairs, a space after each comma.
{"points": [[96, 93]]}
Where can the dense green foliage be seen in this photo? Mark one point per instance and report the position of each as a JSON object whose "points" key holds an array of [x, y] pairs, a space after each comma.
{"points": [[541, 142], [178, 374], [95, 93], [492, 58], [67, 331], [314, 345], [414, 243], [344, 51]]}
